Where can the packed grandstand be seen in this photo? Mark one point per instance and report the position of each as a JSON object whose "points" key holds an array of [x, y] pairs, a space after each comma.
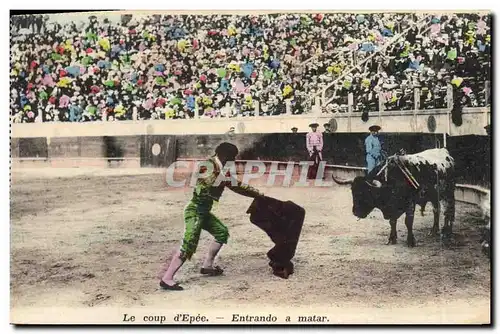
{"points": [[124, 67]]}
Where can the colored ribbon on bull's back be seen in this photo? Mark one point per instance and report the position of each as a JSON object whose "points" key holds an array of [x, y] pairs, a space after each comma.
{"points": [[407, 173]]}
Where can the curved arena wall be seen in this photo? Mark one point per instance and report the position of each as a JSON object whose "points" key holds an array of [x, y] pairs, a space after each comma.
{"points": [[159, 143]]}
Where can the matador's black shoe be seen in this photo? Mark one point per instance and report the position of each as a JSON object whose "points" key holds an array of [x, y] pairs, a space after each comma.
{"points": [[175, 287], [215, 271]]}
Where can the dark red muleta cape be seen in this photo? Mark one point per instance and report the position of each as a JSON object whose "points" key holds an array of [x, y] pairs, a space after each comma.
{"points": [[282, 221]]}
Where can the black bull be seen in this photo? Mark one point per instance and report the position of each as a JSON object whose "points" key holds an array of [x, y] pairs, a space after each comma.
{"points": [[392, 191]]}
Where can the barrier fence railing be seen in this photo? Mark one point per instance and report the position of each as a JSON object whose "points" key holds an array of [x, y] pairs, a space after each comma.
{"points": [[416, 99], [467, 193], [350, 106]]}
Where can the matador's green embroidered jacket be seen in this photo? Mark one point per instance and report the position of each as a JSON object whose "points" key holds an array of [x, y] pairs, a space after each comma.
{"points": [[206, 191], [197, 215]]}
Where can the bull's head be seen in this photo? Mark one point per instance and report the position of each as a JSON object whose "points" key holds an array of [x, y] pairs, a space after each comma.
{"points": [[364, 194]]}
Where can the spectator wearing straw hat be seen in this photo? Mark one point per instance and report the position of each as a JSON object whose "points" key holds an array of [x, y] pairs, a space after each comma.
{"points": [[373, 148]]}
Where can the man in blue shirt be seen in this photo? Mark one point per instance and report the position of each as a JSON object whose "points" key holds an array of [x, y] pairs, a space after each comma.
{"points": [[373, 148]]}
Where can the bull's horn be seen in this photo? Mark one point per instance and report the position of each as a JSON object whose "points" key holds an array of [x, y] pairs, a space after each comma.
{"points": [[342, 181], [374, 183]]}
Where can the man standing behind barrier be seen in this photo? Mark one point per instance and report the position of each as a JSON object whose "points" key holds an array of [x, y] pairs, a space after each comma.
{"points": [[326, 126], [197, 215], [373, 148], [314, 144]]}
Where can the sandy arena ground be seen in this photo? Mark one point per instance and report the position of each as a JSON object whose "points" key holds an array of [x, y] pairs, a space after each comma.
{"points": [[87, 246]]}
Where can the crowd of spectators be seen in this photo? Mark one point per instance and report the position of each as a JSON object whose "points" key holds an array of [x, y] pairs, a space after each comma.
{"points": [[453, 50], [34, 23], [122, 67]]}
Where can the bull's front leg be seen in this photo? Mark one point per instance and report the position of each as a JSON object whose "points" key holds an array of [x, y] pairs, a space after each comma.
{"points": [[410, 214], [393, 237], [485, 242], [437, 211], [449, 218]]}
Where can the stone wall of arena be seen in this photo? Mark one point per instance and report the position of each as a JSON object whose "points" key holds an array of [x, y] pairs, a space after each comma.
{"points": [[159, 143]]}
